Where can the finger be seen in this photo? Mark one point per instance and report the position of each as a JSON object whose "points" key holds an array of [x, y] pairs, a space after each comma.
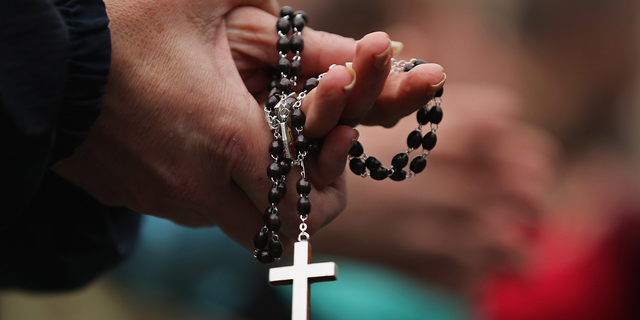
{"points": [[329, 164], [270, 6]]}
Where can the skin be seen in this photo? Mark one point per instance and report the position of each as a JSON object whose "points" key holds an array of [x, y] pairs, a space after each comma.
{"points": [[182, 134]]}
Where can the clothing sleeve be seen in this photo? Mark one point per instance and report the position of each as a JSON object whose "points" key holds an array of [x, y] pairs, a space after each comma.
{"points": [[54, 63]]}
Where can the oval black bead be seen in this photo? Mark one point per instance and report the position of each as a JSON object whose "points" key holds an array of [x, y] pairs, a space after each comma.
{"points": [[398, 175], [261, 239], [311, 84], [274, 171], [303, 15], [283, 25], [285, 85], [276, 148], [304, 205], [379, 173], [283, 45], [275, 195], [373, 163], [286, 11], [272, 85], [303, 186], [296, 68], [298, 23], [429, 141], [297, 44], [272, 101], [414, 140], [272, 219], [275, 248], [283, 188], [435, 114], [284, 65], [408, 67], [356, 150], [298, 118], [418, 164], [400, 161], [264, 257], [285, 166], [419, 62], [302, 144], [423, 116], [357, 166], [440, 93]]}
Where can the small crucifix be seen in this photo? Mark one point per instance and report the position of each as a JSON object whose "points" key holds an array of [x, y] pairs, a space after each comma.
{"points": [[301, 275]]}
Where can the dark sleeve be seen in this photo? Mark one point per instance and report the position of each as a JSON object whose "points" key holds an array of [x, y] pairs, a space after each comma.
{"points": [[54, 62]]}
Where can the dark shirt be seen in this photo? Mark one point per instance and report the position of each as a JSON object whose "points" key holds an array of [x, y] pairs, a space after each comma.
{"points": [[54, 62]]}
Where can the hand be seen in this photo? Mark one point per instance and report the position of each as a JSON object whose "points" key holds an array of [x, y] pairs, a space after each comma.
{"points": [[182, 135]]}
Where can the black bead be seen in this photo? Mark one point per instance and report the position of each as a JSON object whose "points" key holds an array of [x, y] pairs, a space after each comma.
{"points": [[435, 114], [429, 141], [379, 173], [414, 140], [408, 67], [357, 166], [284, 65], [440, 93], [315, 147], [296, 68], [275, 195], [274, 171], [297, 43], [286, 11], [303, 186], [400, 161], [311, 84], [418, 164], [272, 102], [298, 23], [373, 163], [285, 166], [283, 45], [356, 150], [276, 148], [275, 92], [261, 239], [285, 85], [303, 15], [398, 175], [275, 248], [304, 205], [264, 257], [283, 25], [302, 144], [272, 85], [283, 188], [422, 115], [272, 219], [419, 62], [298, 118]]}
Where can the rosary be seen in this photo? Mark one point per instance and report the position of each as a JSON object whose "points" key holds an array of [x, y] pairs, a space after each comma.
{"points": [[290, 147]]}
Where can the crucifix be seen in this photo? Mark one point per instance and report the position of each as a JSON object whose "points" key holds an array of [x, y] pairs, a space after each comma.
{"points": [[301, 275]]}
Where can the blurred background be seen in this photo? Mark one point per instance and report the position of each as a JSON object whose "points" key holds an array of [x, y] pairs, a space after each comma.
{"points": [[529, 207]]}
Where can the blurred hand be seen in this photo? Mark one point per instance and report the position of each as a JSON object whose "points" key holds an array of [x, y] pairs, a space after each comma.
{"points": [[182, 134]]}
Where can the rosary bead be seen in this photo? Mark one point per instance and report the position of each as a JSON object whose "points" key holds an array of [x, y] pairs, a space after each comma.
{"points": [[272, 102], [275, 195], [296, 67], [304, 205], [286, 11], [264, 257], [285, 85], [302, 14], [418, 164], [398, 175], [302, 144], [283, 45], [303, 186], [298, 118], [423, 116], [373, 163], [274, 171], [408, 67], [273, 84], [379, 173], [311, 84], [414, 140], [400, 160], [298, 23], [284, 65], [357, 166], [283, 188], [272, 219], [261, 239], [439, 93], [276, 148], [283, 25], [356, 150], [285, 166], [275, 248], [429, 141], [297, 43], [419, 62], [435, 115], [315, 147]]}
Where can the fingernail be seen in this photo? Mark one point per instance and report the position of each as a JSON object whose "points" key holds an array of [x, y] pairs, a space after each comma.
{"points": [[441, 83], [350, 86], [354, 140], [396, 47], [382, 59]]}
